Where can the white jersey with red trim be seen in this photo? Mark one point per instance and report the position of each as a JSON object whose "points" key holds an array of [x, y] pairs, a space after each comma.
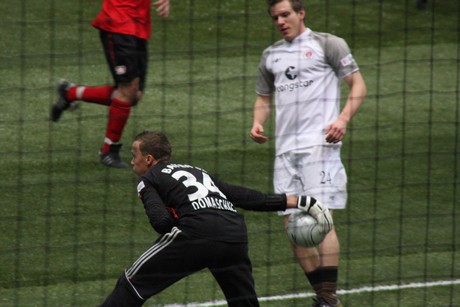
{"points": [[304, 78]]}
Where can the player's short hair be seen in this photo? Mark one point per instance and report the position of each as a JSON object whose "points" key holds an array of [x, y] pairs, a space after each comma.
{"points": [[156, 144], [297, 5]]}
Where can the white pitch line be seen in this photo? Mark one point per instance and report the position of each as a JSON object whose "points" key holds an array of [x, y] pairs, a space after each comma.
{"points": [[310, 294]]}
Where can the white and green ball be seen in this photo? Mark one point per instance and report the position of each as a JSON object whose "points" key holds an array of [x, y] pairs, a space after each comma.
{"points": [[303, 230]]}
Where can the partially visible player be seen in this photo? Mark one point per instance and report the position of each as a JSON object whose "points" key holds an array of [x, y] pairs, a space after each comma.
{"points": [[124, 28], [200, 227], [302, 73]]}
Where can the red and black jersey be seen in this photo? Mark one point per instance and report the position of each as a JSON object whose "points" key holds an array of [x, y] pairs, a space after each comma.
{"points": [[200, 205], [130, 17]]}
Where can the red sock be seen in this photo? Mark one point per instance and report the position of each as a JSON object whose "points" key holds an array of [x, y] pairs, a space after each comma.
{"points": [[118, 117], [95, 94]]}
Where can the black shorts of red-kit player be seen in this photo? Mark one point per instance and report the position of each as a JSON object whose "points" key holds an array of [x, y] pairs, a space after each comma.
{"points": [[126, 55]]}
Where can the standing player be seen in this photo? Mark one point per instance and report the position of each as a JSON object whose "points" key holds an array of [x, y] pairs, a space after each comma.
{"points": [[199, 226], [302, 72], [124, 28]]}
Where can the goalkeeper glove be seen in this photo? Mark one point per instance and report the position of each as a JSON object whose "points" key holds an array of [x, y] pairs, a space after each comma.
{"points": [[317, 210]]}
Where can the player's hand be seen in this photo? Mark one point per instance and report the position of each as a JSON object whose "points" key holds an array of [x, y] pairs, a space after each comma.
{"points": [[335, 132], [316, 209], [256, 134], [162, 8]]}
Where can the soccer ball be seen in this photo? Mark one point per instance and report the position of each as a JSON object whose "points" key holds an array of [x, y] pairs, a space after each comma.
{"points": [[303, 230]]}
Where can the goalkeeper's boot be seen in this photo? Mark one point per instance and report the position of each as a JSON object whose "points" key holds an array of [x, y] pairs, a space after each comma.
{"points": [[112, 157], [62, 103], [320, 302]]}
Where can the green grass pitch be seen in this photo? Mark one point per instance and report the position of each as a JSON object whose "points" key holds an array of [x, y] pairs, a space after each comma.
{"points": [[69, 226]]}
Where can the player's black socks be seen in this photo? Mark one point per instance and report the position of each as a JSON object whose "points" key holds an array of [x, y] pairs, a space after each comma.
{"points": [[324, 282]]}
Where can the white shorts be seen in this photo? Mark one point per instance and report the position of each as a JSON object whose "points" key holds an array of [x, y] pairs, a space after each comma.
{"points": [[316, 171]]}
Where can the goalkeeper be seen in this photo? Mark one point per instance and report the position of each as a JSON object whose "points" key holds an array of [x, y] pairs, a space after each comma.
{"points": [[199, 226]]}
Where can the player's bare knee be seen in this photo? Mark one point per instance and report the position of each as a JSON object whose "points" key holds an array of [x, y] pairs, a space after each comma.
{"points": [[137, 98], [129, 92]]}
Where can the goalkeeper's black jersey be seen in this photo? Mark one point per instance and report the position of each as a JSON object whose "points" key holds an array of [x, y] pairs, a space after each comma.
{"points": [[200, 205]]}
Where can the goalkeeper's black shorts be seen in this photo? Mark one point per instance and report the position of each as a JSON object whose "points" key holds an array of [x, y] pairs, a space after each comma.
{"points": [[175, 256]]}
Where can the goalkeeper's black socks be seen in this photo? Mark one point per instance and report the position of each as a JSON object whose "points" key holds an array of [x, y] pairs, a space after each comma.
{"points": [[324, 282]]}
